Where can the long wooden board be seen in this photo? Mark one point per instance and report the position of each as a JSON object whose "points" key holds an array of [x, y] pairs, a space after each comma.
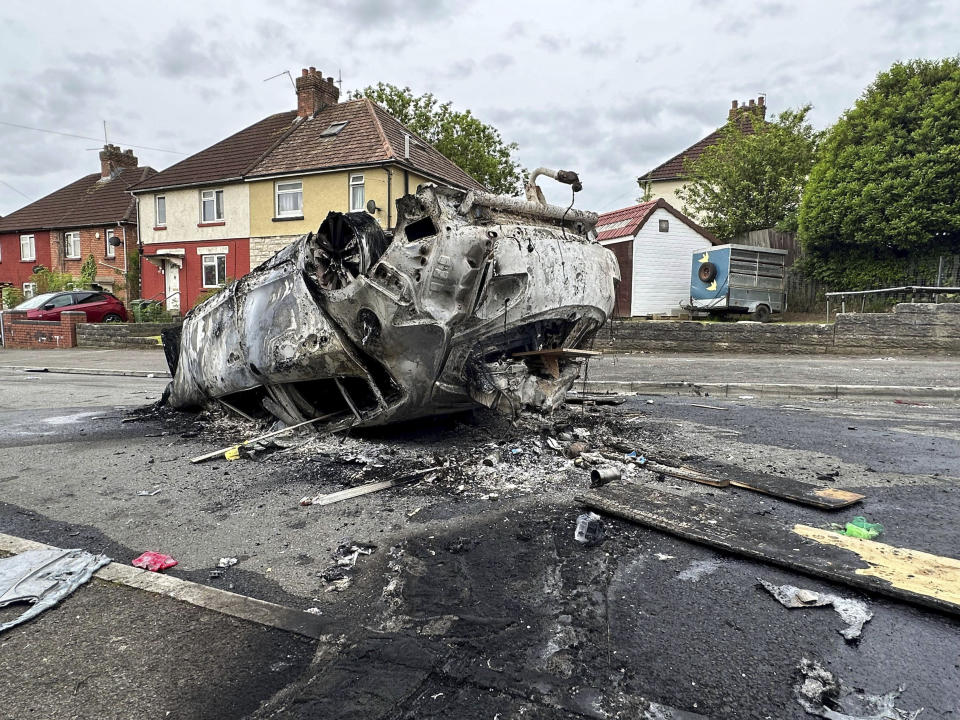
{"points": [[797, 491], [909, 575]]}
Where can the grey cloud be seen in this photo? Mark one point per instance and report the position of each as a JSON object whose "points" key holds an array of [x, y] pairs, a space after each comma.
{"points": [[499, 61], [185, 53]]}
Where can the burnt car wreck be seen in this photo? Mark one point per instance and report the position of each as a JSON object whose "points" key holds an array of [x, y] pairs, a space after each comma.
{"points": [[476, 298]]}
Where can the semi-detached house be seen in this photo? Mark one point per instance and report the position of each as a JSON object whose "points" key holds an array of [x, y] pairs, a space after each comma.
{"points": [[217, 214], [94, 215]]}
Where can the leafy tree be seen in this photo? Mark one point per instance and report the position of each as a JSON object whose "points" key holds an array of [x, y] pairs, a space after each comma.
{"points": [[11, 297], [52, 281], [752, 180], [884, 194], [473, 145], [88, 271]]}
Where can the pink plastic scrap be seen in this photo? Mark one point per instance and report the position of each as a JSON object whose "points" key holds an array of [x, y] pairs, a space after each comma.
{"points": [[154, 561]]}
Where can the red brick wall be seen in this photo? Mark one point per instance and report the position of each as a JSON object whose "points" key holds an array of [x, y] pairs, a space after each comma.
{"points": [[18, 332], [12, 268], [90, 244], [191, 274], [624, 254]]}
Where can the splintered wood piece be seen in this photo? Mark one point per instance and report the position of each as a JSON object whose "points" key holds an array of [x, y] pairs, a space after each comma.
{"points": [[909, 575], [685, 473], [558, 352]]}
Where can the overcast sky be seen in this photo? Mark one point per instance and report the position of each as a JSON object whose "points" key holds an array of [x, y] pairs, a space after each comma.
{"points": [[607, 89]]}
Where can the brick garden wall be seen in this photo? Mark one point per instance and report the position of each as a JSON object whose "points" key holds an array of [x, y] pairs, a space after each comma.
{"points": [[21, 333], [121, 335], [921, 328]]}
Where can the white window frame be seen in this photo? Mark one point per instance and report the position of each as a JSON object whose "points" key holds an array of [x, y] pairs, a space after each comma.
{"points": [[109, 251], [67, 245], [32, 244], [29, 290], [356, 182], [216, 197], [157, 202], [213, 261], [277, 192]]}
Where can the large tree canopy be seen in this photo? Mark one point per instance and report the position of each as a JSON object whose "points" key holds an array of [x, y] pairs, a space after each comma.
{"points": [[751, 180], [885, 191], [473, 145]]}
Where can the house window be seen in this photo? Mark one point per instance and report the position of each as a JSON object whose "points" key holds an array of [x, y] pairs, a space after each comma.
{"points": [[289, 199], [211, 205], [161, 211], [71, 244], [29, 290], [109, 249], [356, 193], [214, 270], [664, 226], [334, 128], [28, 250]]}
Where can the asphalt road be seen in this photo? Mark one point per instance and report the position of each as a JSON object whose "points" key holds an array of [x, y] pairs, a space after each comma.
{"points": [[476, 600]]}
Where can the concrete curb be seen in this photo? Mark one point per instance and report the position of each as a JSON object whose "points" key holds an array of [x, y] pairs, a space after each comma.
{"points": [[771, 390], [92, 371], [221, 601]]}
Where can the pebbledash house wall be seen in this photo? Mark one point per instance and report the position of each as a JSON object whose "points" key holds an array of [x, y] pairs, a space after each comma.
{"points": [[15, 271], [184, 230]]}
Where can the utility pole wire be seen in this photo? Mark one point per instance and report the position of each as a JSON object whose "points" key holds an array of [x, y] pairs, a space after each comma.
{"points": [[4, 182], [87, 137]]}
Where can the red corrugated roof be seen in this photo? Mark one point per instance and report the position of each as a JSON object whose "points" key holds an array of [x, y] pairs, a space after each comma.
{"points": [[626, 222]]}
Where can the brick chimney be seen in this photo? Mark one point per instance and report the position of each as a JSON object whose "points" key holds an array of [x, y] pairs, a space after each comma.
{"points": [[752, 109], [113, 159], [314, 92]]}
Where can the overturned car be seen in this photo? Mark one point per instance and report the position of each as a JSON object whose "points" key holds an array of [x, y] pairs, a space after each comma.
{"points": [[476, 298]]}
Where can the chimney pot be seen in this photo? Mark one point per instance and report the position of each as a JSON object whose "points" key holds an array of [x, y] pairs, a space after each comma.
{"points": [[734, 105], [314, 92], [761, 100], [303, 73], [113, 159], [752, 103]]}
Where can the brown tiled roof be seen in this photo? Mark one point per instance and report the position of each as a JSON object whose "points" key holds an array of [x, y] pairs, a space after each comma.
{"points": [[82, 203], [371, 136], [227, 159], [672, 169]]}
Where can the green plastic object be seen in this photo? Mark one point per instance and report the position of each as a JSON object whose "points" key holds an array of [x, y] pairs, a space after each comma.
{"points": [[860, 528]]}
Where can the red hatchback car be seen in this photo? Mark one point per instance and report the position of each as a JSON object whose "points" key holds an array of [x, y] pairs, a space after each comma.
{"points": [[99, 306]]}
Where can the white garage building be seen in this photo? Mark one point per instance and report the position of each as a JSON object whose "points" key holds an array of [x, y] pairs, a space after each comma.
{"points": [[654, 243]]}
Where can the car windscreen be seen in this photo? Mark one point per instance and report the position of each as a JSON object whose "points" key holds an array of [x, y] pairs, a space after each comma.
{"points": [[35, 302]]}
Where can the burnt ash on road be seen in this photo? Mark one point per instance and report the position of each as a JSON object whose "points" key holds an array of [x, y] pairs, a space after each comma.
{"points": [[477, 600]]}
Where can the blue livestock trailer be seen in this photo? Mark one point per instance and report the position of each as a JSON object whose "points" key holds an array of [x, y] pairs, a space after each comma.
{"points": [[729, 279]]}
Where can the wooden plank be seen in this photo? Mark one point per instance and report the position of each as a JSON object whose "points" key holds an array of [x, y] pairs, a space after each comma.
{"points": [[797, 491], [901, 573]]}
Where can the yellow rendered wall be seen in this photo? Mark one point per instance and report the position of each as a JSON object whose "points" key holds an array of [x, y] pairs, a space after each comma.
{"points": [[321, 194]]}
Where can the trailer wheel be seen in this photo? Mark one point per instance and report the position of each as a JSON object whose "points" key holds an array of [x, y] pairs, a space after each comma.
{"points": [[762, 314], [707, 272]]}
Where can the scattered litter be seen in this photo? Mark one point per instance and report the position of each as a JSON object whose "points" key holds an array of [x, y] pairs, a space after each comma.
{"points": [[154, 561], [590, 529], [233, 451], [43, 578], [149, 493], [697, 569], [649, 402], [554, 444], [820, 691], [314, 611], [853, 612], [663, 556], [746, 397], [708, 407], [575, 449], [910, 402], [226, 562], [860, 528], [602, 475]]}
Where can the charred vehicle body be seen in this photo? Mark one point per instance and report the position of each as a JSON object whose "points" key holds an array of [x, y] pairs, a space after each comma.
{"points": [[476, 298]]}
